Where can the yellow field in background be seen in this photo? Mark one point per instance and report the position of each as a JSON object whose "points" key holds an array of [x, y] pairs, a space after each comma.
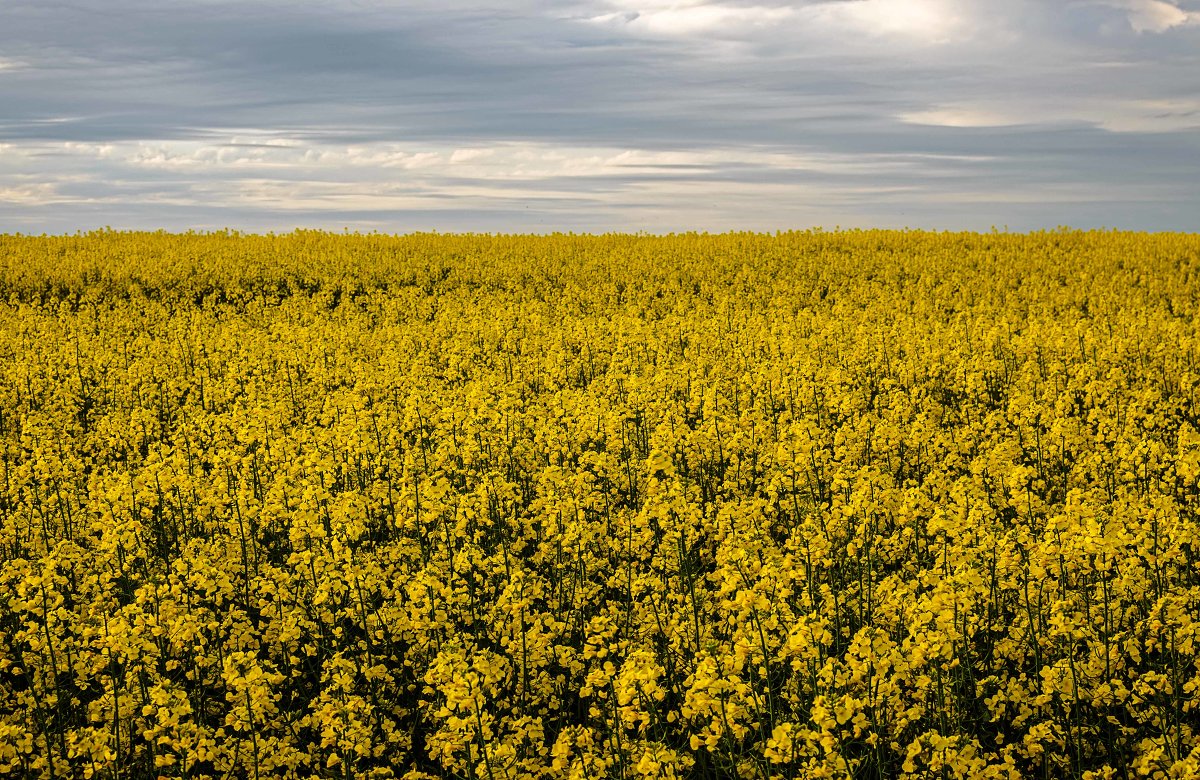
{"points": [[873, 504]]}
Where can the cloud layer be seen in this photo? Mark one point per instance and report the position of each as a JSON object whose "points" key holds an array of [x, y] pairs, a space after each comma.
{"points": [[599, 114]]}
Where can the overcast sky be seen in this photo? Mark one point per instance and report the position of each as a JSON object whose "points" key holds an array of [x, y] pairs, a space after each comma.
{"points": [[656, 115]]}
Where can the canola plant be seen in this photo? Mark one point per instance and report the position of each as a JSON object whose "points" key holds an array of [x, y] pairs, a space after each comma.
{"points": [[819, 504]]}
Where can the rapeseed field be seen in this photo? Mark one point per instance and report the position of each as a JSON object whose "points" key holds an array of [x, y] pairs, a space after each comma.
{"points": [[808, 505]]}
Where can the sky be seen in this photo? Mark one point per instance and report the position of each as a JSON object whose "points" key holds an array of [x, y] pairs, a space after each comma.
{"points": [[599, 115]]}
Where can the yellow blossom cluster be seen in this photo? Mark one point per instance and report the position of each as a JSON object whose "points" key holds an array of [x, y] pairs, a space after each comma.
{"points": [[806, 505]]}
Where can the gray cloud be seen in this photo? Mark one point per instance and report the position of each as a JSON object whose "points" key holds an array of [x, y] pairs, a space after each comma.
{"points": [[599, 114]]}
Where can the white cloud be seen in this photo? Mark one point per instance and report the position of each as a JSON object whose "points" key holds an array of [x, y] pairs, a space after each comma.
{"points": [[1154, 15], [692, 19], [265, 173], [504, 161], [101, 151], [30, 194], [467, 155], [929, 21], [1114, 115], [962, 116]]}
